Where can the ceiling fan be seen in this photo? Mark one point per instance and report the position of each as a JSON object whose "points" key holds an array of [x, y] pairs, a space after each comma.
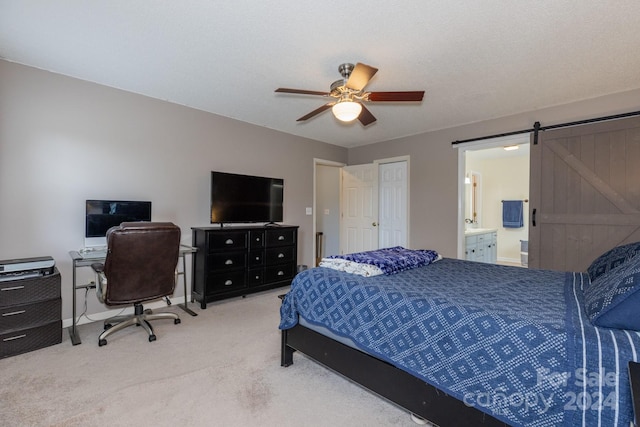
{"points": [[350, 94]]}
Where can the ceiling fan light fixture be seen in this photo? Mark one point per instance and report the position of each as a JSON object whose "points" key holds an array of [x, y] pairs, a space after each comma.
{"points": [[347, 111]]}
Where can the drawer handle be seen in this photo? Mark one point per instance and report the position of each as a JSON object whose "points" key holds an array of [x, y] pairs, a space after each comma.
{"points": [[228, 283], [13, 313], [257, 258], [257, 277], [17, 337], [280, 237], [280, 273], [280, 255], [229, 242], [228, 262], [15, 288]]}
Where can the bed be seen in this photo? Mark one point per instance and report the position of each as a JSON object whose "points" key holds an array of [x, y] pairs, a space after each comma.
{"points": [[465, 343]]}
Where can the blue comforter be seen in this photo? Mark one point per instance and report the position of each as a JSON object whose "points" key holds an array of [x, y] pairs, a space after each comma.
{"points": [[512, 342]]}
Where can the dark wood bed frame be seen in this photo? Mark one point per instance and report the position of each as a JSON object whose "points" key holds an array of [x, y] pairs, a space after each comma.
{"points": [[396, 385]]}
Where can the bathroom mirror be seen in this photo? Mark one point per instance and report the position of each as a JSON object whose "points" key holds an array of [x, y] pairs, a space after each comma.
{"points": [[473, 199]]}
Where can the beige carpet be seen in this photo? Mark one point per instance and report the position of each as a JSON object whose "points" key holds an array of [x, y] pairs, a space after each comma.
{"points": [[221, 368]]}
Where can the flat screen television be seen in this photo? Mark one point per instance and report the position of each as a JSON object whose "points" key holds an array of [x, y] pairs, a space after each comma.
{"points": [[246, 199], [100, 215]]}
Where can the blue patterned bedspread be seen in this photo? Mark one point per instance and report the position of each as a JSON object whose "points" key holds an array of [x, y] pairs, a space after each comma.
{"points": [[512, 342]]}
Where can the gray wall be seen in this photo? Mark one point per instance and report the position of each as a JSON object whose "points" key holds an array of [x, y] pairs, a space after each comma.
{"points": [[434, 163], [64, 140]]}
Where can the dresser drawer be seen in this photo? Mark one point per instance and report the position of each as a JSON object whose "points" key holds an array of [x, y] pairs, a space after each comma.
{"points": [[279, 272], [24, 316], [256, 239], [227, 261], [228, 240], [256, 258], [256, 277], [218, 283], [275, 237], [279, 255], [23, 340], [35, 289]]}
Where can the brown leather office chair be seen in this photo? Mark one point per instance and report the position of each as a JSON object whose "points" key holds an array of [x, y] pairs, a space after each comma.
{"points": [[140, 266]]}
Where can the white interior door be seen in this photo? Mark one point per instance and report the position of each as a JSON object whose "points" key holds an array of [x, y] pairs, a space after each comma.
{"points": [[359, 225], [392, 212]]}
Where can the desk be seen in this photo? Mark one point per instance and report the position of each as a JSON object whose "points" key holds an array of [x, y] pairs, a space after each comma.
{"points": [[79, 261]]}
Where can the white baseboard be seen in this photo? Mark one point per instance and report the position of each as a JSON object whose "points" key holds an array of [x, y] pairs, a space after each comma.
{"points": [[510, 260], [95, 317]]}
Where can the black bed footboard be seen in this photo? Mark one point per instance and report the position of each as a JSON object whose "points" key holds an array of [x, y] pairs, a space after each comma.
{"points": [[384, 379]]}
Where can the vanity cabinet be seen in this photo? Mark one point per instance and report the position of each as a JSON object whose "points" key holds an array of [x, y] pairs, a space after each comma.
{"points": [[482, 246], [236, 261]]}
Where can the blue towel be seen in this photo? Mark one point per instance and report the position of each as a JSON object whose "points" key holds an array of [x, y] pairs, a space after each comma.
{"points": [[512, 214]]}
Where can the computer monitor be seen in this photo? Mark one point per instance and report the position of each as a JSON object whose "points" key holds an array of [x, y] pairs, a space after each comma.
{"points": [[100, 215]]}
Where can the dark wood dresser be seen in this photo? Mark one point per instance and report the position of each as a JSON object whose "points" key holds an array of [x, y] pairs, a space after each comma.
{"points": [[30, 314], [237, 261]]}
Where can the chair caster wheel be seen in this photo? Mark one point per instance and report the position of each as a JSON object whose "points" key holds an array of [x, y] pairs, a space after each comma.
{"points": [[176, 321], [102, 342], [152, 338]]}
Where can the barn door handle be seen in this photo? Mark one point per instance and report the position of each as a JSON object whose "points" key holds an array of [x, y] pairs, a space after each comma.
{"points": [[533, 217]]}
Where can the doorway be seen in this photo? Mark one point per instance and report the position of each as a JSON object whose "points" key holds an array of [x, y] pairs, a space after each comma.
{"points": [[373, 220], [492, 172], [326, 208]]}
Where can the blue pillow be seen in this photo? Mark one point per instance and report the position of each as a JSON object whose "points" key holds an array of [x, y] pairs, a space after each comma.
{"points": [[613, 299], [612, 258]]}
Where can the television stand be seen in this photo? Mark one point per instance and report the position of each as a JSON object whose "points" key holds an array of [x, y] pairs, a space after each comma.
{"points": [[237, 261]]}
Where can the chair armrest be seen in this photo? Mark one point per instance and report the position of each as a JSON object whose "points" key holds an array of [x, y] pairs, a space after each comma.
{"points": [[101, 281]]}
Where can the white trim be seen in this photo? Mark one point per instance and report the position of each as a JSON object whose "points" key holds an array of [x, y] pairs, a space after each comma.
{"points": [[510, 260], [500, 141], [323, 162], [396, 159], [461, 193], [471, 146]]}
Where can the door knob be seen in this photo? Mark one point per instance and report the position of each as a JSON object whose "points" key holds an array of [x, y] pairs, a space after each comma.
{"points": [[375, 224]]}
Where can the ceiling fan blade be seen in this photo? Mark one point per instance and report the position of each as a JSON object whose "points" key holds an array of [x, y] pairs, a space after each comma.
{"points": [[316, 112], [416, 95], [301, 91], [360, 76], [365, 117]]}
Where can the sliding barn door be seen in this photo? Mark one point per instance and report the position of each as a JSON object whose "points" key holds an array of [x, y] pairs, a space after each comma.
{"points": [[585, 193]]}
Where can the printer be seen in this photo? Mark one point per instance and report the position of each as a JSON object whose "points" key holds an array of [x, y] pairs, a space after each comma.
{"points": [[15, 269]]}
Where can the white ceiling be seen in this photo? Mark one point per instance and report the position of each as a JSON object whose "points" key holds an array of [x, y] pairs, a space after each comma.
{"points": [[476, 60]]}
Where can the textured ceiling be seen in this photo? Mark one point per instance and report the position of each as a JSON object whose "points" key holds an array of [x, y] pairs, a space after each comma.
{"points": [[476, 60]]}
